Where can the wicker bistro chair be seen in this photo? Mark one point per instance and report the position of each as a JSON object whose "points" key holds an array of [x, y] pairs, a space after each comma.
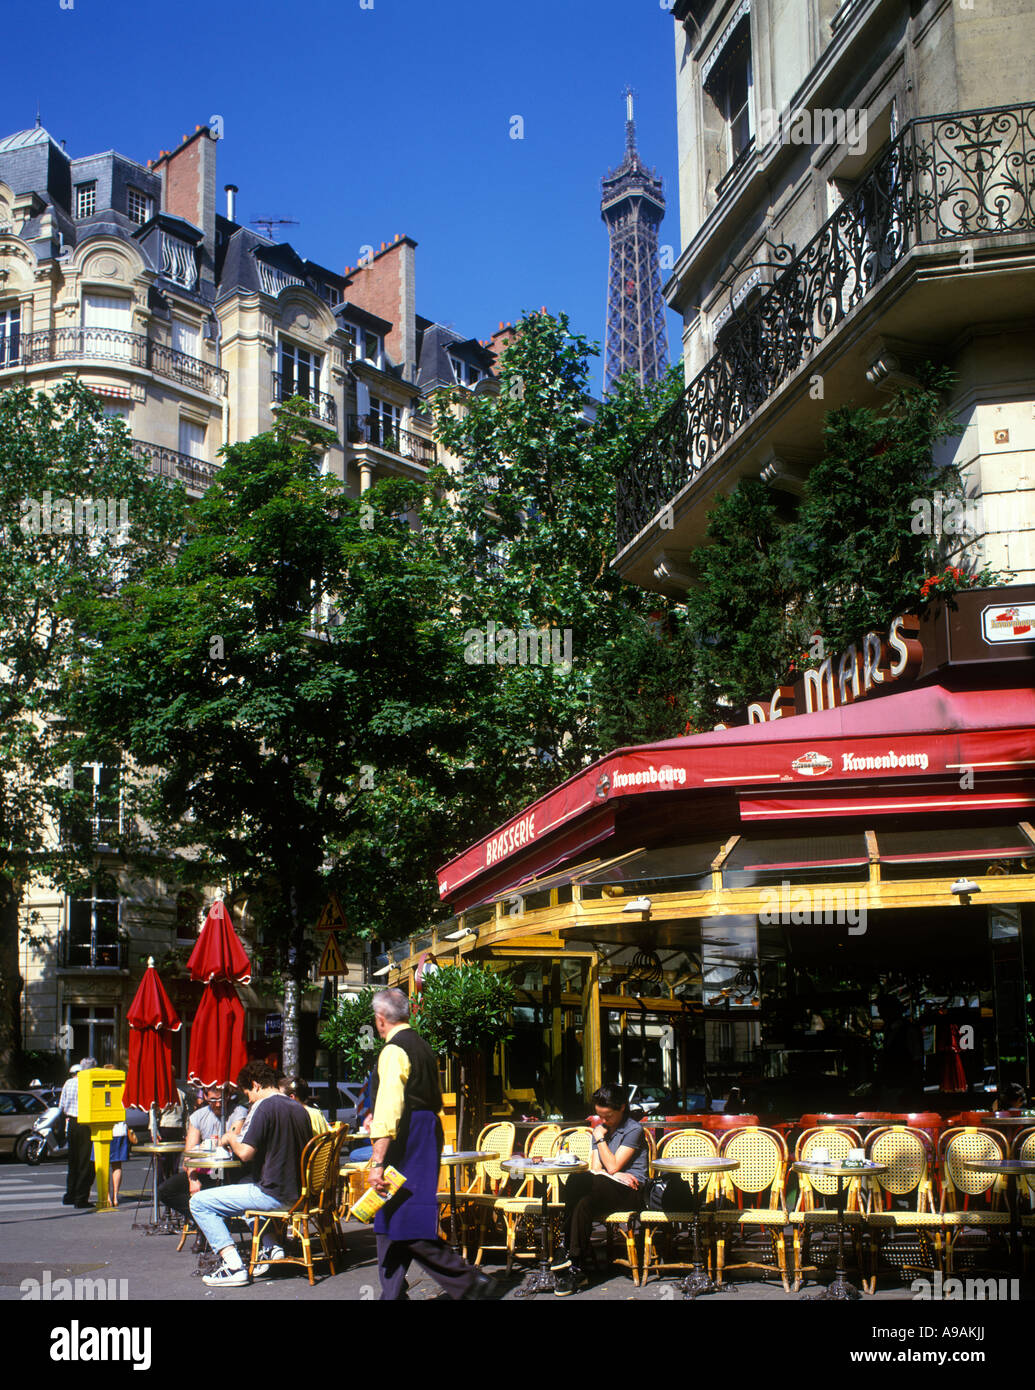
{"points": [[813, 1222], [968, 1229], [759, 1229], [625, 1222], [1024, 1147], [679, 1143], [901, 1220], [522, 1208], [315, 1206], [476, 1202]]}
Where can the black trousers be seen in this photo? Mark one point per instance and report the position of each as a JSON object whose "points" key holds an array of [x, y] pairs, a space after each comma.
{"points": [[175, 1192], [441, 1261], [587, 1198], [80, 1164]]}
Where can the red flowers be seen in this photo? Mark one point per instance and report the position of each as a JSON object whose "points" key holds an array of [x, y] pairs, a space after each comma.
{"points": [[951, 573]]}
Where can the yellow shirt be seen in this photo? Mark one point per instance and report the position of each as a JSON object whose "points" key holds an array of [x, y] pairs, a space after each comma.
{"points": [[393, 1072], [317, 1120]]}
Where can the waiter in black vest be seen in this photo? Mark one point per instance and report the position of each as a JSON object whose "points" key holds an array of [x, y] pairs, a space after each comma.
{"points": [[407, 1134]]}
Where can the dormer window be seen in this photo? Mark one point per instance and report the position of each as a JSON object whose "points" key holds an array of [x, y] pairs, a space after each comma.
{"points": [[465, 374], [85, 199], [139, 206]]}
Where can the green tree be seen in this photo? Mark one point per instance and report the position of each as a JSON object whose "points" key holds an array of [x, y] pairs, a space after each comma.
{"points": [[350, 1032], [464, 1011], [273, 726], [80, 514]]}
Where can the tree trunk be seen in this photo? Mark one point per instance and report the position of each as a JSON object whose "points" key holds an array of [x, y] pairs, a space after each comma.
{"points": [[11, 984], [292, 993], [471, 1098]]}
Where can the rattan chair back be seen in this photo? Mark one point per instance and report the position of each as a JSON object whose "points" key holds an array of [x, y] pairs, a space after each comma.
{"points": [[838, 1141], [762, 1155], [688, 1143], [320, 1163], [968, 1142], [497, 1139], [579, 1141], [905, 1151]]}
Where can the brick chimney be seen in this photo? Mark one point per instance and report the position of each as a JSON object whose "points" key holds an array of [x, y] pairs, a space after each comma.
{"points": [[502, 338], [188, 177], [386, 285]]}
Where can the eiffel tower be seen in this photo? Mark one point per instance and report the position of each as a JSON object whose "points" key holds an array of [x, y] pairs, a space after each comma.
{"points": [[633, 207]]}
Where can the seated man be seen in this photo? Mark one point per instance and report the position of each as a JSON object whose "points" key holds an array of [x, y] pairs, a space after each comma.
{"points": [[616, 1179], [205, 1123], [278, 1130], [296, 1089]]}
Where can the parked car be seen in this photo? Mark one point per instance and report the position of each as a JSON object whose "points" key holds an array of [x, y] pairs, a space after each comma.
{"points": [[348, 1099], [18, 1112]]}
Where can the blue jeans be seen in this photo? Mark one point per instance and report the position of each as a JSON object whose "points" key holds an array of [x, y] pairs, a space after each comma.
{"points": [[208, 1209]]}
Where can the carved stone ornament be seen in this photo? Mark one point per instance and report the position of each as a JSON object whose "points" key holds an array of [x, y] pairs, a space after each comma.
{"points": [[109, 266]]}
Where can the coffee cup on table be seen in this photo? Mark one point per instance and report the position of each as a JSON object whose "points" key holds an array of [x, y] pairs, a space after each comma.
{"points": [[857, 1155], [821, 1155]]}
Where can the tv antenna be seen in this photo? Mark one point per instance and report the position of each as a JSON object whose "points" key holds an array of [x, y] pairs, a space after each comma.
{"points": [[270, 222]]}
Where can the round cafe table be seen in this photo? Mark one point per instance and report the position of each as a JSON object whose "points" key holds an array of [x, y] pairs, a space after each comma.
{"points": [[541, 1280], [1011, 1169], [698, 1281], [453, 1161], [844, 1172], [154, 1151]]}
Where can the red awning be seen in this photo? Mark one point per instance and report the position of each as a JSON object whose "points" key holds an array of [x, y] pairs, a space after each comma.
{"points": [[902, 752]]}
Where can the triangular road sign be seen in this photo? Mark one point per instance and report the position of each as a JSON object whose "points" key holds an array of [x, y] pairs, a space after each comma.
{"points": [[331, 962], [332, 918]]}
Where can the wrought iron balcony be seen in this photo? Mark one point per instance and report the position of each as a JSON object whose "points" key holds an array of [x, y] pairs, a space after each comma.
{"points": [[114, 345], [194, 473], [324, 408], [374, 429], [91, 953], [943, 180]]}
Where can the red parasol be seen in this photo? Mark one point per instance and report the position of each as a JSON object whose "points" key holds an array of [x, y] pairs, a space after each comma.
{"points": [[217, 1046], [219, 954], [152, 1021]]}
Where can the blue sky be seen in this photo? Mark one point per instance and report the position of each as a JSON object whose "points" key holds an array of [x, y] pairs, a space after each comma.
{"points": [[364, 122]]}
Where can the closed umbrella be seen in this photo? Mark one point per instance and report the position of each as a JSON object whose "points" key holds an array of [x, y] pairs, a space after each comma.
{"points": [[150, 1084], [217, 1044]]}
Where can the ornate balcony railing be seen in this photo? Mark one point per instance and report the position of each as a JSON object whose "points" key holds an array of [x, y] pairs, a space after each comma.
{"points": [[91, 953], [116, 345], [374, 429], [943, 179], [324, 407], [167, 463]]}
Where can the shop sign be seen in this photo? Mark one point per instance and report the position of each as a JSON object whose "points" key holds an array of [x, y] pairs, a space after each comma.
{"points": [[1011, 622], [860, 670]]}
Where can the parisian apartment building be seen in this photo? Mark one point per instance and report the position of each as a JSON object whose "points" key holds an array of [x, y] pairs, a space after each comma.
{"points": [[195, 329], [857, 198]]}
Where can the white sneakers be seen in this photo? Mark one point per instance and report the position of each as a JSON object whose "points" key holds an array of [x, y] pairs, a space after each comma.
{"points": [[226, 1278], [274, 1252]]}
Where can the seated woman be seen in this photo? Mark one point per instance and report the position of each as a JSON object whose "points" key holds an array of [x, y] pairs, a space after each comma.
{"points": [[616, 1179]]}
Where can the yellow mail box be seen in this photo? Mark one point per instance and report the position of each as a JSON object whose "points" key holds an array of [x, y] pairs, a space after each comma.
{"points": [[100, 1097]]}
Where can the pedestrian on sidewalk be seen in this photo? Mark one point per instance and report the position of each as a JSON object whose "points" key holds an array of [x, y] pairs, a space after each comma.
{"points": [[407, 1134], [80, 1162]]}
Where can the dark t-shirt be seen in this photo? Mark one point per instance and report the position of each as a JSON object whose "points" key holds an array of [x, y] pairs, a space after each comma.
{"points": [[279, 1132], [630, 1135]]}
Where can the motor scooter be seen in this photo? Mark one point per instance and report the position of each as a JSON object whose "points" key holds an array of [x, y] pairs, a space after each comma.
{"points": [[49, 1137]]}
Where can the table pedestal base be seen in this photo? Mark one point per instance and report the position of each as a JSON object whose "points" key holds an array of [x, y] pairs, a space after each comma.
{"points": [[840, 1291], [699, 1281], [539, 1280]]}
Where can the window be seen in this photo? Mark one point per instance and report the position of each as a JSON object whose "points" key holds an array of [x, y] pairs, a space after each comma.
{"points": [[138, 206], [192, 439], [186, 337], [85, 199], [98, 785], [385, 419], [93, 931], [188, 915], [92, 1027], [727, 77], [299, 371], [465, 374], [10, 336], [106, 327]]}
